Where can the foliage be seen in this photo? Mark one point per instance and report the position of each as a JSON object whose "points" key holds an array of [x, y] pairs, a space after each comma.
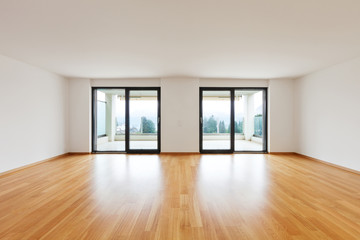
{"points": [[239, 126], [210, 125], [222, 128], [258, 125], [147, 125]]}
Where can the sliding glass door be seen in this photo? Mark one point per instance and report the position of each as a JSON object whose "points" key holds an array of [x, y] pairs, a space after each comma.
{"points": [[126, 120], [144, 120], [216, 120], [233, 120], [250, 120], [109, 120]]}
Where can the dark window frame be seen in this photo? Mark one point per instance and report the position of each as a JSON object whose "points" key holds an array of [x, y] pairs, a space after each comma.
{"points": [[232, 90], [127, 111], [102, 135], [232, 135]]}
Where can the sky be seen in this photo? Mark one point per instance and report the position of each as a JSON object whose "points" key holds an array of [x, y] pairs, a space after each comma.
{"points": [[148, 108], [138, 109], [221, 108]]}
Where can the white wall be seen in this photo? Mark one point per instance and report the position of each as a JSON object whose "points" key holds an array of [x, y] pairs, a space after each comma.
{"points": [[226, 82], [80, 115], [180, 115], [327, 115], [180, 110], [34, 114], [281, 112], [133, 82], [316, 115]]}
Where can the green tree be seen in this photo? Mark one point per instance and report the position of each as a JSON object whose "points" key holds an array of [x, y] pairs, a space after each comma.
{"points": [[222, 128], [236, 127], [239, 127], [205, 127], [147, 125], [228, 129], [210, 125]]}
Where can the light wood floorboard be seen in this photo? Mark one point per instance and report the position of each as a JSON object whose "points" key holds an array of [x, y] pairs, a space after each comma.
{"points": [[180, 196]]}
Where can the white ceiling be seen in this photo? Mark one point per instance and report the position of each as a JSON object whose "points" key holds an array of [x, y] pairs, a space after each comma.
{"points": [[200, 38]]}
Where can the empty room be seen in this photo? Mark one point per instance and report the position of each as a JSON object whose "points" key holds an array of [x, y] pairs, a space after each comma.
{"points": [[179, 120]]}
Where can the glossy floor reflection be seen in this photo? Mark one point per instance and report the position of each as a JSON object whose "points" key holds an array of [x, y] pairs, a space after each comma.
{"points": [[180, 196], [120, 145], [240, 145]]}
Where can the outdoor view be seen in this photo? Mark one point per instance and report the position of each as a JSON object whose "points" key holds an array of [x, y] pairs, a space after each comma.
{"points": [[248, 122], [216, 115], [111, 119], [248, 110], [143, 119]]}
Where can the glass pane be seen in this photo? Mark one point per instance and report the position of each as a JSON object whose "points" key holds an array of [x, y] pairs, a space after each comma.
{"points": [[248, 106], [216, 106], [101, 118], [143, 119], [110, 120]]}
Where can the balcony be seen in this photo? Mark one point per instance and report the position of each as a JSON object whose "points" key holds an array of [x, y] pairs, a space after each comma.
{"points": [[137, 141], [222, 141]]}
